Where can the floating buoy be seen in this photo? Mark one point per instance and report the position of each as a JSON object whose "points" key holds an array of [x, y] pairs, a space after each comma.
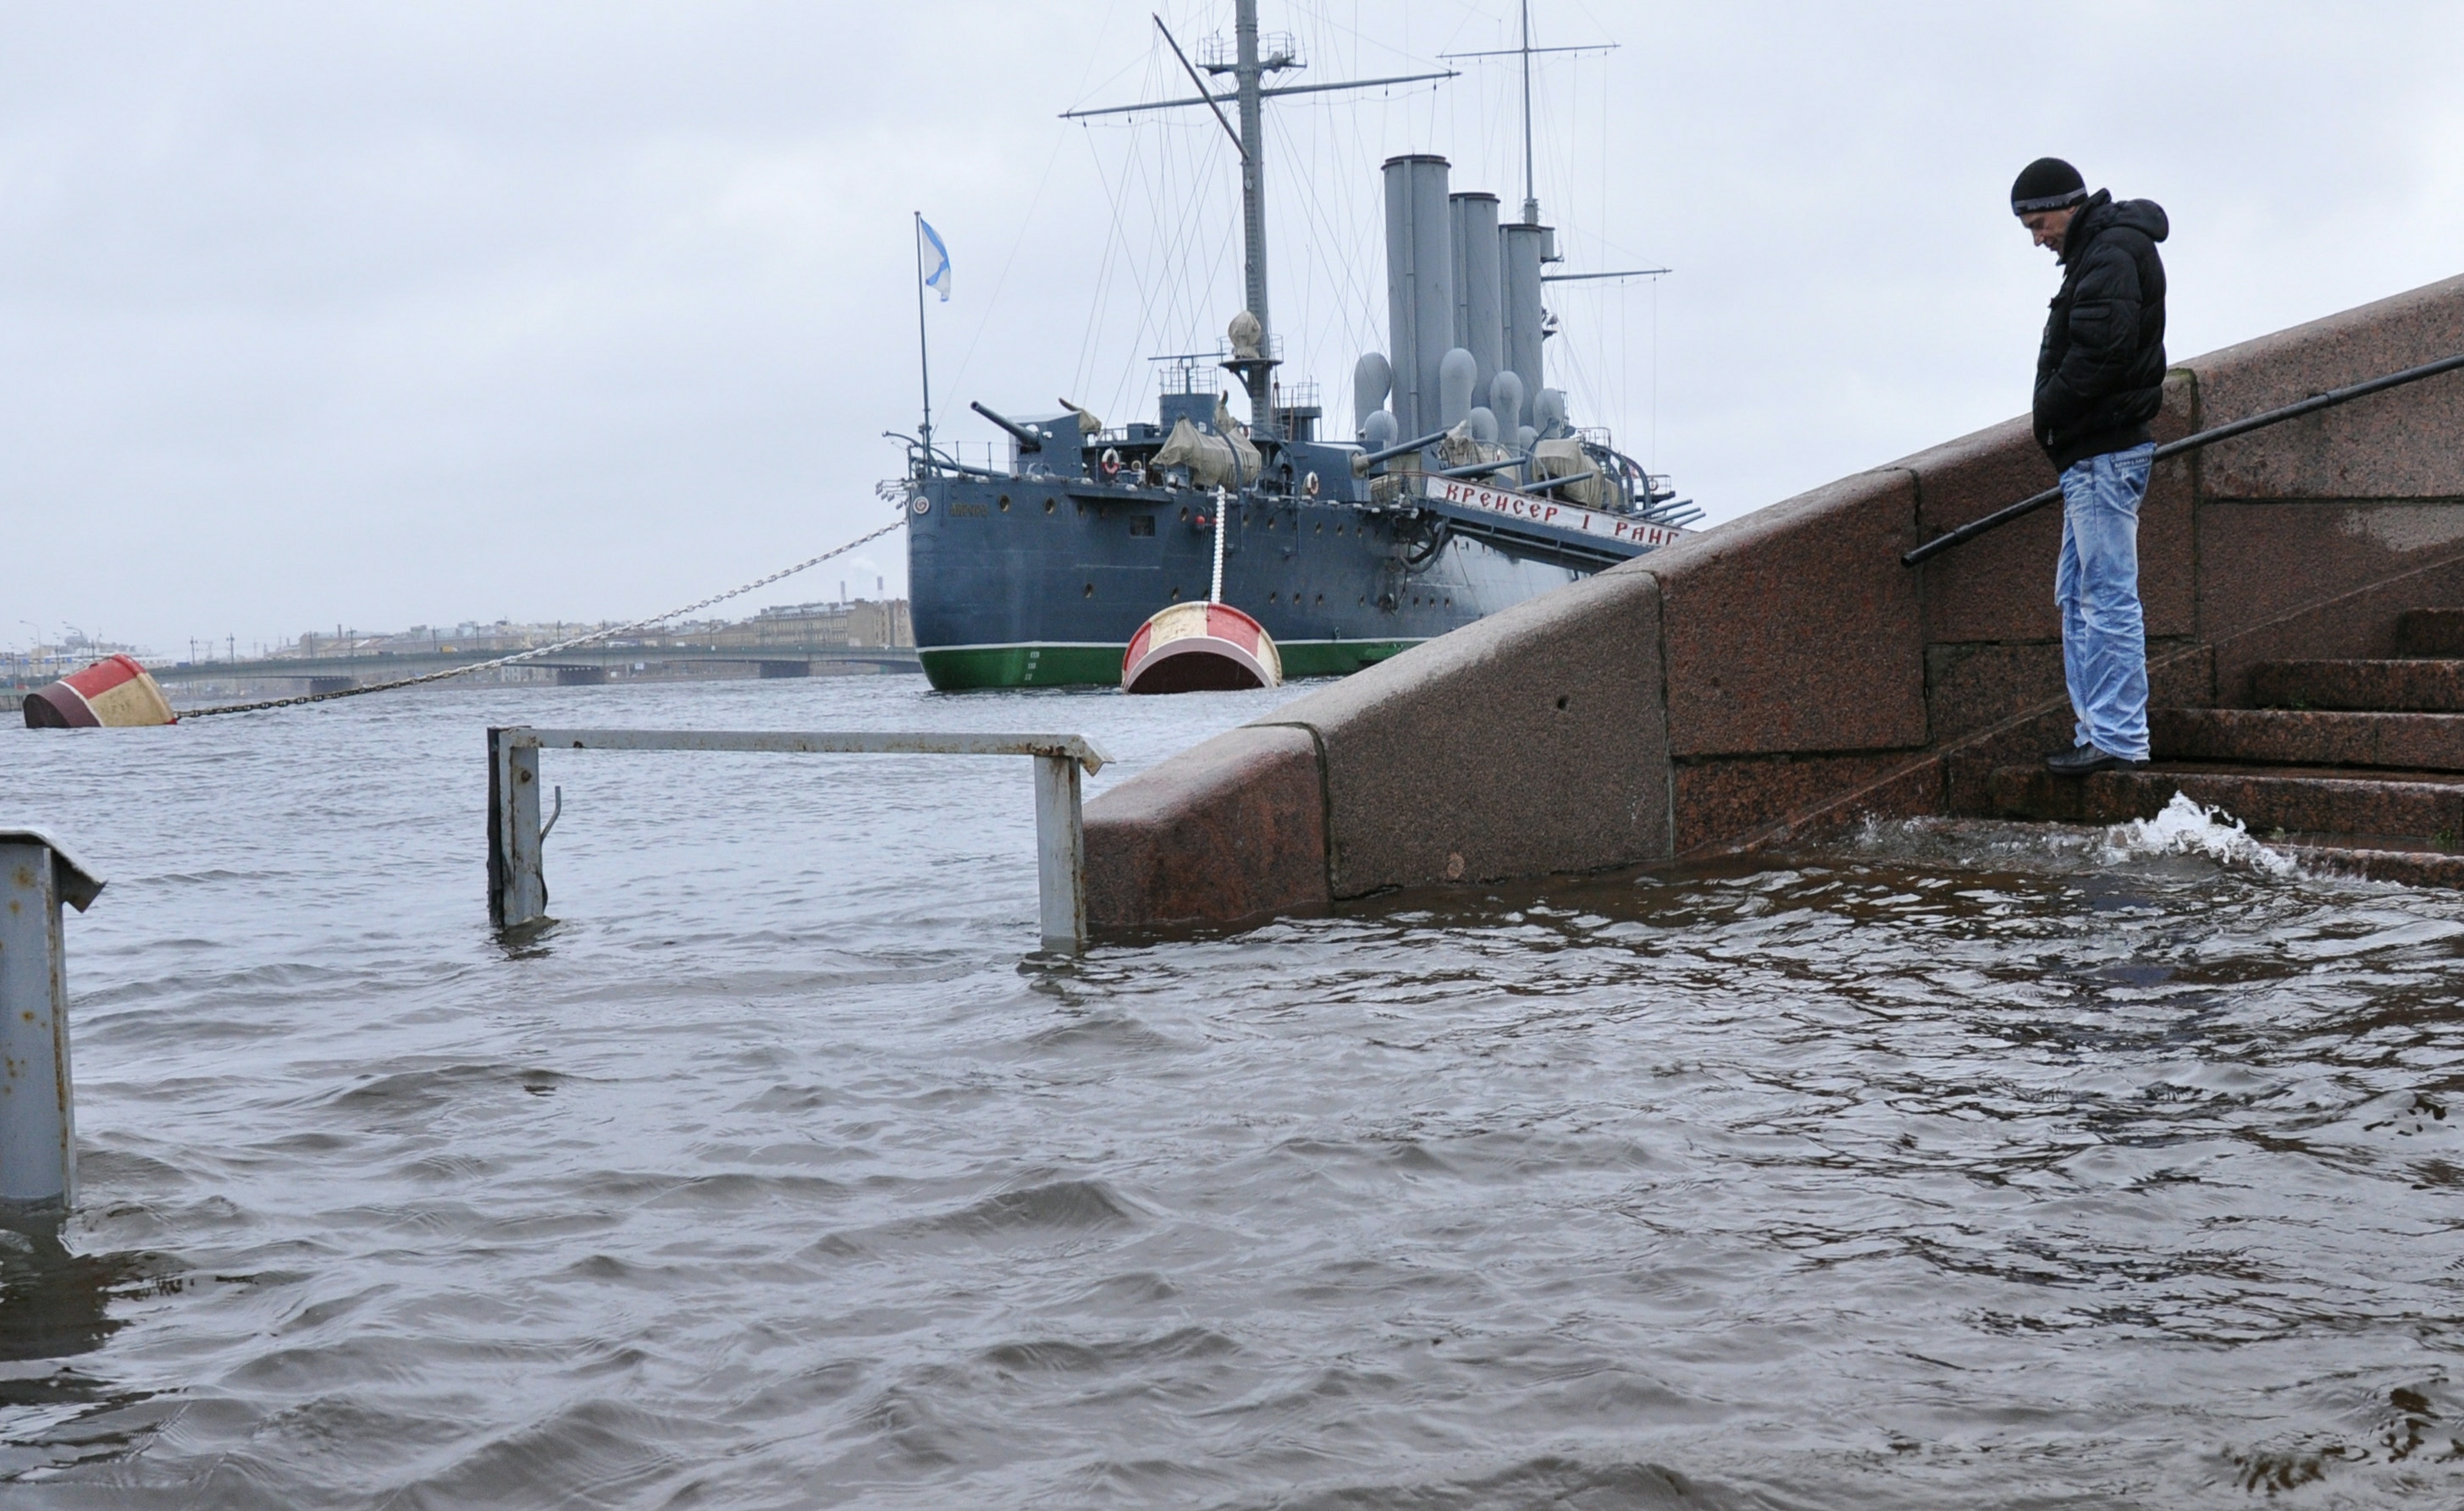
{"points": [[114, 692], [1200, 648]]}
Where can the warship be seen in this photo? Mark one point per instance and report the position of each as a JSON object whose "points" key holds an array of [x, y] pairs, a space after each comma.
{"points": [[1465, 488]]}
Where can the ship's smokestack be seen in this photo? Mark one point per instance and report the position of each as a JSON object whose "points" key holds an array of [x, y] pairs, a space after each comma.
{"points": [[1419, 286], [1479, 325], [1522, 247]]}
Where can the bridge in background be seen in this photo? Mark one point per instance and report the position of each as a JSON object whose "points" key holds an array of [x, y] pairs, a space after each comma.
{"points": [[579, 666]]}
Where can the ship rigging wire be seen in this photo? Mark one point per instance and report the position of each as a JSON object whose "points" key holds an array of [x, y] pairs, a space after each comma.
{"points": [[536, 651]]}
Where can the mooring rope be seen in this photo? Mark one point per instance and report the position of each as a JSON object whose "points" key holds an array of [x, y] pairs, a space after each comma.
{"points": [[536, 652]]}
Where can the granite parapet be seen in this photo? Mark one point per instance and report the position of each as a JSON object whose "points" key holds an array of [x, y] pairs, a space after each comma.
{"points": [[1232, 831], [1795, 629], [1521, 745]]}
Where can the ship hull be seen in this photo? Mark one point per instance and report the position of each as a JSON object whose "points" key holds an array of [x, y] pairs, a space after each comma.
{"points": [[1041, 582]]}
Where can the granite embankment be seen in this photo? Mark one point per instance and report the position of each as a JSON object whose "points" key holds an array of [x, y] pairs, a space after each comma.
{"points": [[1785, 671]]}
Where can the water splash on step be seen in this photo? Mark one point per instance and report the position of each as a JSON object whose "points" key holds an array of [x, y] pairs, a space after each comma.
{"points": [[2188, 827]]}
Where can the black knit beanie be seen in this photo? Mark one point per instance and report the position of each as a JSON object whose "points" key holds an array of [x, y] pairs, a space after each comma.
{"points": [[2046, 184]]}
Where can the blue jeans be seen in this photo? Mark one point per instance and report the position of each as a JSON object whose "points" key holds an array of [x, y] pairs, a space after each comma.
{"points": [[2105, 636]]}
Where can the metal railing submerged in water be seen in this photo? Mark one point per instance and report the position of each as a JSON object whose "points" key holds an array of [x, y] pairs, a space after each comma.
{"points": [[518, 885], [2192, 443]]}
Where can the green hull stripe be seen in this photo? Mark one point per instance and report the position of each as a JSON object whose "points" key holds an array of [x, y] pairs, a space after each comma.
{"points": [[959, 671]]}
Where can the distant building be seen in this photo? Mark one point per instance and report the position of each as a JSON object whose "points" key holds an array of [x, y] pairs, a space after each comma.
{"points": [[863, 622]]}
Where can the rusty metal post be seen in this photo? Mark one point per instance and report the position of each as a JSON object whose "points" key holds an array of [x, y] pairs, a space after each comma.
{"points": [[516, 887], [37, 1095], [1060, 853]]}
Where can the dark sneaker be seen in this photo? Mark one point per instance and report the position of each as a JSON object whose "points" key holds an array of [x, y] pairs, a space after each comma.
{"points": [[2080, 759]]}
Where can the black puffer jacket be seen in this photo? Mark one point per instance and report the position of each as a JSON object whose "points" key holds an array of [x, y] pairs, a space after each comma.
{"points": [[2100, 372]]}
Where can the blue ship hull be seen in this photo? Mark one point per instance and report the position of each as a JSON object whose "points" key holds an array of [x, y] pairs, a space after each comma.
{"points": [[1041, 580]]}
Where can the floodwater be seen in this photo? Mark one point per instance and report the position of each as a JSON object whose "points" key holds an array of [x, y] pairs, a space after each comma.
{"points": [[1944, 1167]]}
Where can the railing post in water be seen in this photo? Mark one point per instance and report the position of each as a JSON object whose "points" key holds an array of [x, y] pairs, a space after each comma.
{"points": [[1060, 851], [37, 1096], [517, 889]]}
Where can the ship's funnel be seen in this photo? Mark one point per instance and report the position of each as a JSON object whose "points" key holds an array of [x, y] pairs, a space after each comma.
{"points": [[1521, 248], [1419, 286], [1370, 379], [1479, 326], [1456, 372], [1506, 401]]}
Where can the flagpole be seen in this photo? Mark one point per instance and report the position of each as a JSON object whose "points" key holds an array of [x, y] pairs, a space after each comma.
{"points": [[923, 352]]}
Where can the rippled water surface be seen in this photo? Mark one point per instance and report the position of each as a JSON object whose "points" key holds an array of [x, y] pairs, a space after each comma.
{"points": [[1950, 1166]]}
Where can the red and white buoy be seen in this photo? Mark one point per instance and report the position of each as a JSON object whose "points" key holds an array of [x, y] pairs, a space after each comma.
{"points": [[114, 692], [1203, 647], [1200, 648]]}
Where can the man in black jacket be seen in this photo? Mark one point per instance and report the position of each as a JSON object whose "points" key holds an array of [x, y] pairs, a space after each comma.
{"points": [[2099, 381]]}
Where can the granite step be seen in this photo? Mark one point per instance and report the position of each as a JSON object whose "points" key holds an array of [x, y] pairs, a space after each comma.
{"points": [[2410, 741], [2375, 858], [2430, 632], [2424, 808], [2416, 686]]}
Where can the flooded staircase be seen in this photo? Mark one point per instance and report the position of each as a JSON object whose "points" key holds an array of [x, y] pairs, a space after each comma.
{"points": [[2355, 765]]}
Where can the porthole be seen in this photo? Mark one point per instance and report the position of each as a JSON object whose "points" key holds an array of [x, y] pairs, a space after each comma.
{"points": [[1048, 506], [1089, 592], [1005, 503]]}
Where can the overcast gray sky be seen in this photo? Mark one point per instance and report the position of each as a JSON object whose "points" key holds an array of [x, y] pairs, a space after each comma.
{"points": [[393, 314]]}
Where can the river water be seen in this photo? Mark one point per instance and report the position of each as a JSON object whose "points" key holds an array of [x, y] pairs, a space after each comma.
{"points": [[1946, 1166]]}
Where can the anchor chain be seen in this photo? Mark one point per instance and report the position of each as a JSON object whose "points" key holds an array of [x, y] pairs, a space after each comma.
{"points": [[537, 652]]}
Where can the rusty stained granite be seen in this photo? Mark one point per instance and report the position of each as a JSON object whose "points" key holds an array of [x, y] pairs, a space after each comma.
{"points": [[2281, 737], [2315, 800], [2426, 687], [2261, 562], [1523, 744], [1720, 803], [2000, 586], [2357, 624], [1972, 687], [2430, 632], [2395, 445], [1230, 832], [1797, 628]]}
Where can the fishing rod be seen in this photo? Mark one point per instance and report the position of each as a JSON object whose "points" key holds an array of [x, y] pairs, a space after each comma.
{"points": [[2192, 443]]}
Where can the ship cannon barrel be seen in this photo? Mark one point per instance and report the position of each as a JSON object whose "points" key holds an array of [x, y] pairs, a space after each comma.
{"points": [[1028, 440], [1475, 469], [1545, 484], [1362, 464]]}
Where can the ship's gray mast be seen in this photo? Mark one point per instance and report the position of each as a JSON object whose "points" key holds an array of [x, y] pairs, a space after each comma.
{"points": [[1246, 76], [1250, 93], [1526, 52]]}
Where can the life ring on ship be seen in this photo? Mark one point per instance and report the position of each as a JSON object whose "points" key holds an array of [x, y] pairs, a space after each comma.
{"points": [[1111, 462], [922, 504], [1309, 485]]}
